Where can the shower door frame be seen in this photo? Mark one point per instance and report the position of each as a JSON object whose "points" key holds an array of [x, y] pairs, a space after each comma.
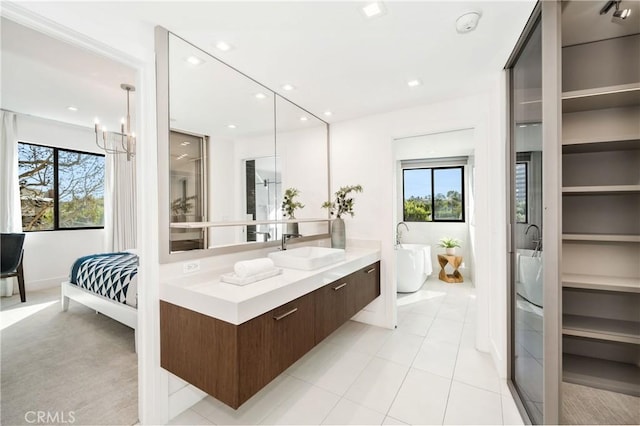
{"points": [[549, 13]]}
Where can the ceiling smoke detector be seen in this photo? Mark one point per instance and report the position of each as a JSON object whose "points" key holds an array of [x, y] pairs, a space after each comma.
{"points": [[467, 22]]}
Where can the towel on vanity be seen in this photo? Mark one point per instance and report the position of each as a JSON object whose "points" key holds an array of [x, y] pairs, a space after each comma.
{"points": [[248, 268]]}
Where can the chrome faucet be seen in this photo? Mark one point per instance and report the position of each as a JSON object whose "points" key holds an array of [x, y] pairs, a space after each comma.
{"points": [[286, 237], [399, 233], [537, 241]]}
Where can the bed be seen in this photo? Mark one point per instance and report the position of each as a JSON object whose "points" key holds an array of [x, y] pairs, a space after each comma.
{"points": [[107, 283]]}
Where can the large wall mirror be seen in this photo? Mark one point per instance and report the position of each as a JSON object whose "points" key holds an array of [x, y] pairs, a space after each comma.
{"points": [[228, 149]]}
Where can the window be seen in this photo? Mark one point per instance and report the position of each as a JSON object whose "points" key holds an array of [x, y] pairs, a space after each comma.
{"points": [[522, 183], [59, 188], [434, 194]]}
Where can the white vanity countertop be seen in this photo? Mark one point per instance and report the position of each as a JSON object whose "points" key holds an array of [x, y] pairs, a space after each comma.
{"points": [[203, 292]]}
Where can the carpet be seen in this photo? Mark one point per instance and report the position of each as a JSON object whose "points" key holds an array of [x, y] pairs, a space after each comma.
{"points": [[75, 367]]}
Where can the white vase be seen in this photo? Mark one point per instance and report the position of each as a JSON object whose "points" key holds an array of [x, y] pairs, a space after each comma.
{"points": [[451, 251], [338, 234]]}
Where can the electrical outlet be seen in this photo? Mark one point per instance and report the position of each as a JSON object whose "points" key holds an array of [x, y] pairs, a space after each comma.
{"points": [[192, 266]]}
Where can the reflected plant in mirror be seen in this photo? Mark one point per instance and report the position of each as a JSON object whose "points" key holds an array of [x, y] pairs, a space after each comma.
{"points": [[289, 205]]}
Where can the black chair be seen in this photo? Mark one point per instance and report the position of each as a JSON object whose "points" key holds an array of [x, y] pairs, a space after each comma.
{"points": [[11, 265]]}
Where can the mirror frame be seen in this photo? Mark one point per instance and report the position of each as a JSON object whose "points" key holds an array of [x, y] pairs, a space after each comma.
{"points": [[163, 128]]}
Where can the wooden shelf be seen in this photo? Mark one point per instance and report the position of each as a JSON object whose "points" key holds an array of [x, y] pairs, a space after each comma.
{"points": [[613, 238], [601, 328], [622, 95], [601, 189], [602, 374], [598, 282], [581, 146], [192, 225]]}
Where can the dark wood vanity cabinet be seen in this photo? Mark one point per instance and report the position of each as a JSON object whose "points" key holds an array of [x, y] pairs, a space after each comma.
{"points": [[233, 362], [270, 343], [342, 299]]}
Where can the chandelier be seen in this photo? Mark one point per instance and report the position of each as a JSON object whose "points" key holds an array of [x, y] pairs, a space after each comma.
{"points": [[123, 142]]}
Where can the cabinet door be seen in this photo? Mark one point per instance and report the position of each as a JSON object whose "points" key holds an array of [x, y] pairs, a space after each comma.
{"points": [[334, 305], [270, 343], [367, 285]]}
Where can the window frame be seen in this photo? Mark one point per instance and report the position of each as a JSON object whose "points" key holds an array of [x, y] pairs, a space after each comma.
{"points": [[433, 199], [526, 164], [56, 202]]}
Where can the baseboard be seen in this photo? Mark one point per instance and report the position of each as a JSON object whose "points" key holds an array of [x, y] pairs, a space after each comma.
{"points": [[34, 285], [44, 284], [183, 399]]}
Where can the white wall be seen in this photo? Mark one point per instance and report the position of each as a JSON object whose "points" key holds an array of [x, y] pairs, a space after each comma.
{"points": [[41, 268], [362, 153]]}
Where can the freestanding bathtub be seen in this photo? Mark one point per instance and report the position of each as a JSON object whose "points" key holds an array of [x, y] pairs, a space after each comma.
{"points": [[413, 265], [529, 275]]}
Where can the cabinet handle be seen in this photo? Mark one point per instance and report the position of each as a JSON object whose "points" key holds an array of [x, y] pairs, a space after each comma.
{"points": [[371, 270], [286, 314], [336, 288]]}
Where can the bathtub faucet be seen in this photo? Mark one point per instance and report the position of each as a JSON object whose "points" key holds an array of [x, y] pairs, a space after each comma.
{"points": [[537, 241], [399, 233]]}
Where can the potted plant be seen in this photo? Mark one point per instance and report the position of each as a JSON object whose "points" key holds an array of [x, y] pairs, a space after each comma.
{"points": [[449, 245], [289, 207], [340, 206]]}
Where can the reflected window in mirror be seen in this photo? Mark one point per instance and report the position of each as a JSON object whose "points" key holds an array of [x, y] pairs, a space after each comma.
{"points": [[188, 188], [522, 191]]}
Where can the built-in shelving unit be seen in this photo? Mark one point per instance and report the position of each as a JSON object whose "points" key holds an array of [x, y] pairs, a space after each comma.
{"points": [[601, 373], [597, 282], [601, 189], [623, 95], [612, 238], [601, 215], [601, 328]]}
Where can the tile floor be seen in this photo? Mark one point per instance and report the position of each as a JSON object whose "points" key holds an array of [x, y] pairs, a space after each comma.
{"points": [[427, 371]]}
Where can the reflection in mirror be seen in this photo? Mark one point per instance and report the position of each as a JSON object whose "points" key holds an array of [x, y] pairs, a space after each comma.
{"points": [[188, 187], [235, 116], [247, 145], [263, 186], [301, 146]]}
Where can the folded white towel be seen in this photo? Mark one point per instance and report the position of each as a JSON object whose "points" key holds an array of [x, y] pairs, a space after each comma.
{"points": [[253, 267]]}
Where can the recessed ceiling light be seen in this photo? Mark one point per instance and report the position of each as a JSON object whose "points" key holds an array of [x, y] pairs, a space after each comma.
{"points": [[373, 9], [72, 108], [194, 60], [231, 126], [522, 125], [180, 157], [303, 118], [223, 46], [288, 87], [185, 143], [414, 83], [260, 96], [328, 113]]}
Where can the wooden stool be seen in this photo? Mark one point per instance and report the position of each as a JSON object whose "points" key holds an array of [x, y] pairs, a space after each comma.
{"points": [[455, 262]]}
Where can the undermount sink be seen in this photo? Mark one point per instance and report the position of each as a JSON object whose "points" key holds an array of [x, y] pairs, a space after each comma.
{"points": [[307, 258]]}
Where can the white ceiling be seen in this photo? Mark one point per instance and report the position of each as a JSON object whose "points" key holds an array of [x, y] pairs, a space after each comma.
{"points": [[42, 76], [336, 58]]}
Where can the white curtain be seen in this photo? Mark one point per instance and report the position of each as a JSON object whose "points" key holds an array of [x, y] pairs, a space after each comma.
{"points": [[10, 214], [120, 203]]}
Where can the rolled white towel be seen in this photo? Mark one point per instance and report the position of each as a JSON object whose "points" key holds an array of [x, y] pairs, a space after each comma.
{"points": [[248, 268]]}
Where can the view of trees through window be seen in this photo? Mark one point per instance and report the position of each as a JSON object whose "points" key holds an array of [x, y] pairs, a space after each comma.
{"points": [[522, 177], [434, 194], [60, 189]]}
